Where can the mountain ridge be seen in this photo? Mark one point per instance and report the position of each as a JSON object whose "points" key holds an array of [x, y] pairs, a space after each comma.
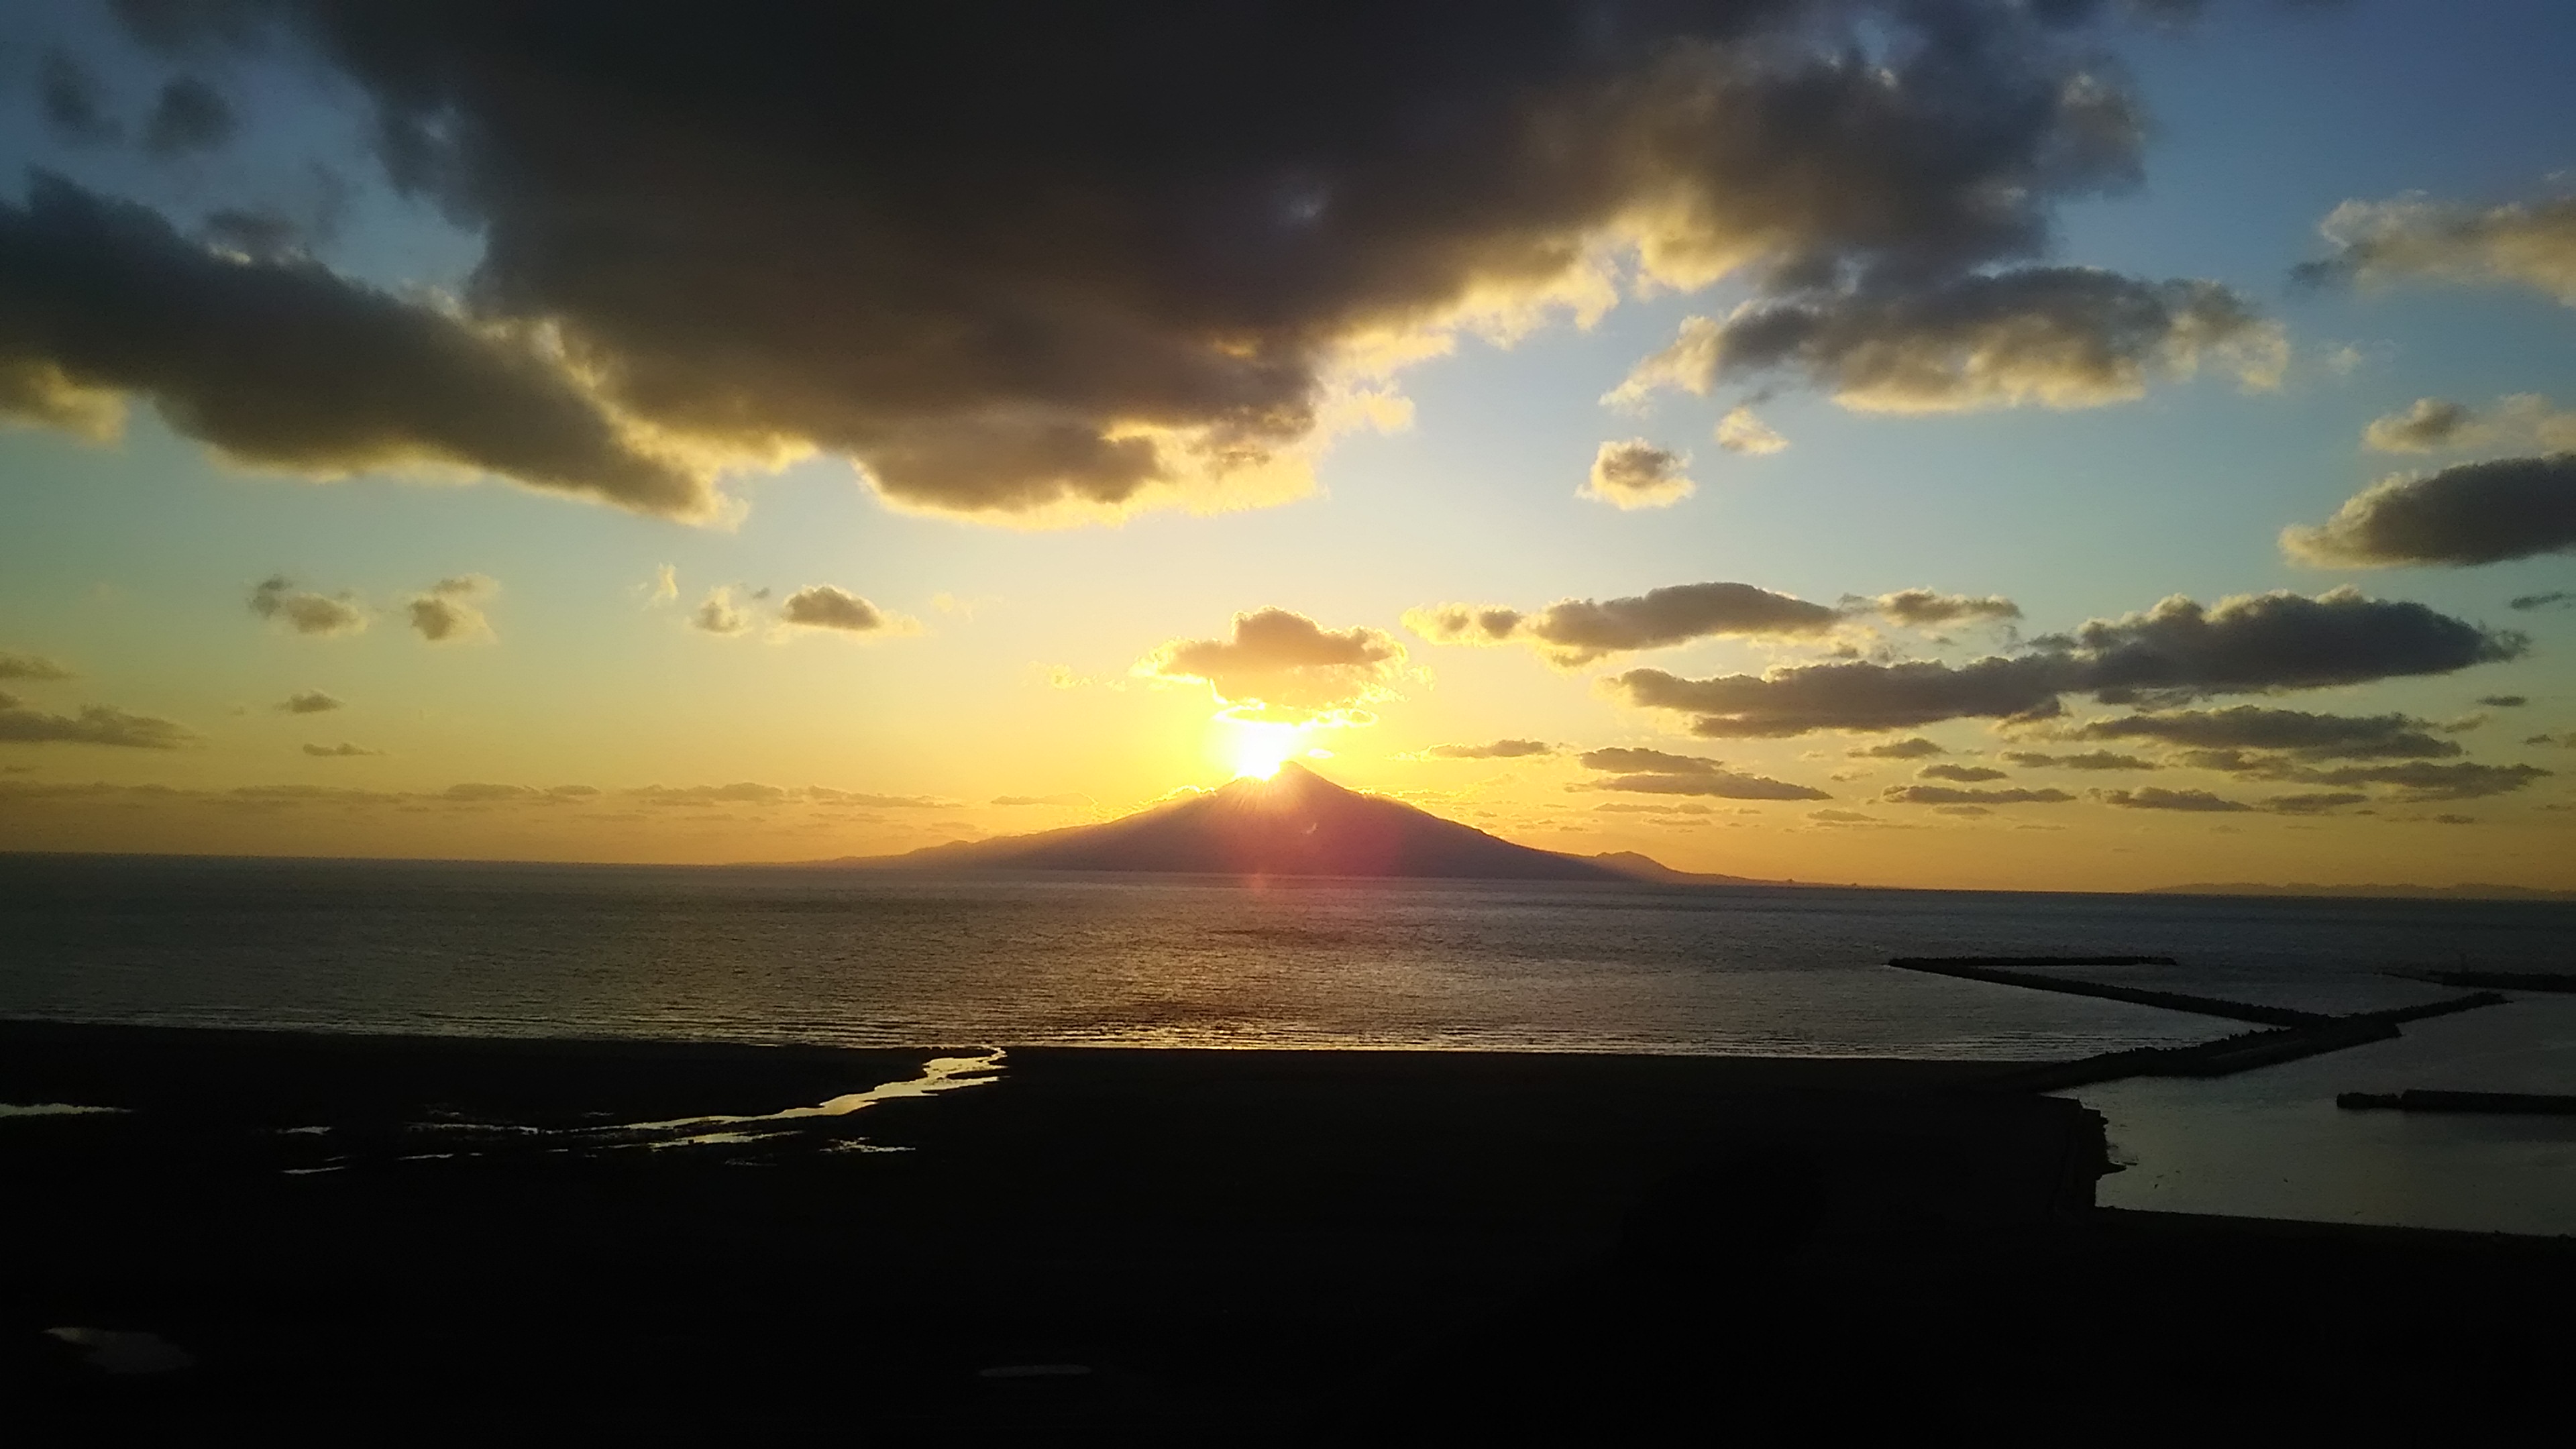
{"points": [[1294, 823]]}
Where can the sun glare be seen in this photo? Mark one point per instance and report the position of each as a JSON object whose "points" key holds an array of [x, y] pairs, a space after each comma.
{"points": [[1257, 750]]}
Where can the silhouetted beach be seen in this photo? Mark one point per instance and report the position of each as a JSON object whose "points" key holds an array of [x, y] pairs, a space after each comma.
{"points": [[1148, 1243]]}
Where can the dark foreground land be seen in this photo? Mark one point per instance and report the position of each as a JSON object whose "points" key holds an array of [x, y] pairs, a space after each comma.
{"points": [[1207, 1247]]}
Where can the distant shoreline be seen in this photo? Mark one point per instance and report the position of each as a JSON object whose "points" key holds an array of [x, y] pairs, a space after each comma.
{"points": [[855, 865]]}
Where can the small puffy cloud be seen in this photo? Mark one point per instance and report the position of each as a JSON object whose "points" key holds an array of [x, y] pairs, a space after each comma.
{"points": [[451, 611], [2297, 734], [1930, 608], [2469, 513], [2527, 603], [2088, 760], [1065, 801], [718, 614], [1637, 474], [2504, 701], [2431, 423], [1498, 750], [1283, 665], [96, 724], [1575, 632], [822, 606], [1916, 748], [1960, 774], [309, 701], [1953, 795], [2060, 337], [1741, 432], [2152, 798], [33, 668], [278, 599], [665, 588], [2412, 238], [341, 751], [1655, 772], [190, 116]]}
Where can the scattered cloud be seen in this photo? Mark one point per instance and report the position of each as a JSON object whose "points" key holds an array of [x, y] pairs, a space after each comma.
{"points": [[2175, 652], [1575, 632], [96, 724], [1960, 774], [2152, 798], [2430, 423], [1282, 665], [2059, 337], [2315, 803], [189, 116], [74, 103], [33, 668], [2088, 760], [1066, 801], [486, 793], [1930, 608], [2504, 701], [1908, 749], [1654, 772], [1498, 750], [2413, 238], [2524, 420], [1850, 696], [1953, 795], [309, 701], [718, 614], [2294, 733], [278, 599], [2526, 603], [1843, 817], [451, 612], [1637, 474], [821, 606], [2423, 780], [665, 588], [2469, 513], [342, 750], [1741, 432]]}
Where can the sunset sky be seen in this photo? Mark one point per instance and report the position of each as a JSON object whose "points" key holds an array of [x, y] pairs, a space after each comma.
{"points": [[2016, 445]]}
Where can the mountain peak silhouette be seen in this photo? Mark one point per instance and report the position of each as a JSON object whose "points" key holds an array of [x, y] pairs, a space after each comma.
{"points": [[1295, 822]]}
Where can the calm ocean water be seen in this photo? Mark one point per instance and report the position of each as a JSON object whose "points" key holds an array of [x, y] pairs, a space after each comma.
{"points": [[768, 955]]}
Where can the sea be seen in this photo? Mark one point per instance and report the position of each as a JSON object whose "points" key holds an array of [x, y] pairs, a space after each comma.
{"points": [[868, 958]]}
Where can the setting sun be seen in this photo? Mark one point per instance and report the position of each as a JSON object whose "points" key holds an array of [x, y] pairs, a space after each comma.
{"points": [[1257, 750]]}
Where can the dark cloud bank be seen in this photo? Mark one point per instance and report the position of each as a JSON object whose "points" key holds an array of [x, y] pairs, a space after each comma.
{"points": [[2176, 652], [1013, 258]]}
